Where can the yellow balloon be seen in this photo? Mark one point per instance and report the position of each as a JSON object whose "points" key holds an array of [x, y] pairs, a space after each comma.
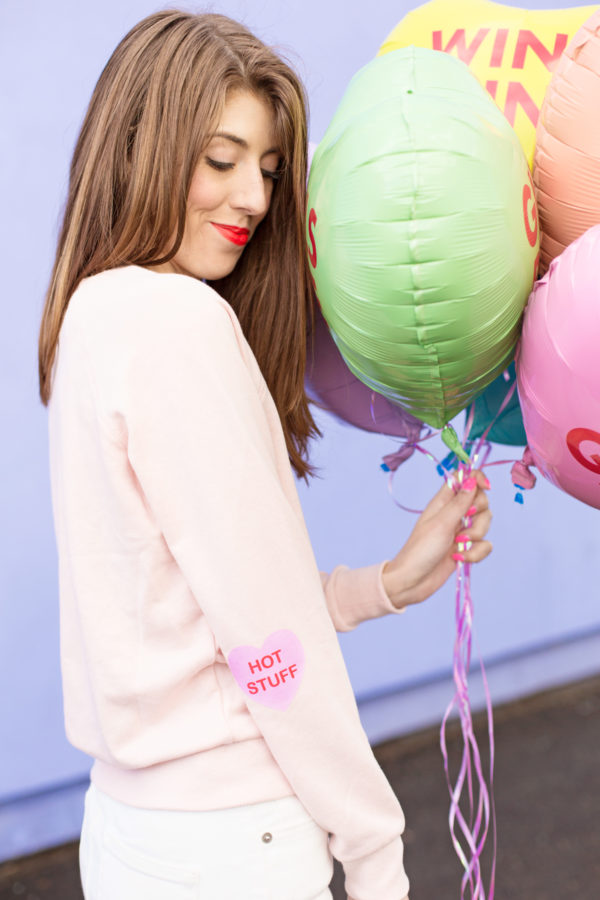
{"points": [[512, 51]]}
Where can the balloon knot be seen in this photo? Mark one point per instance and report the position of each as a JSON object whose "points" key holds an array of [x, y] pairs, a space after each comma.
{"points": [[521, 474], [522, 477], [452, 443], [393, 461]]}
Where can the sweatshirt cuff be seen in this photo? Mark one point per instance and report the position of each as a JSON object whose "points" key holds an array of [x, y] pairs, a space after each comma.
{"points": [[362, 595], [387, 605], [379, 874]]}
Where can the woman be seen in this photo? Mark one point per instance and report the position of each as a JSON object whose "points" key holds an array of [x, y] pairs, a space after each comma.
{"points": [[200, 664]]}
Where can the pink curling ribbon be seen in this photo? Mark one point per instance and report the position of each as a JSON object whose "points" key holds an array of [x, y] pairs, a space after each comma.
{"points": [[474, 826]]}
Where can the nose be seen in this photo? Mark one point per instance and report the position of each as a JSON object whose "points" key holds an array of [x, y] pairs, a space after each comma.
{"points": [[251, 192]]}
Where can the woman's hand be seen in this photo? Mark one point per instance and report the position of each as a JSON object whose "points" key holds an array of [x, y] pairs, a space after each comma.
{"points": [[425, 562]]}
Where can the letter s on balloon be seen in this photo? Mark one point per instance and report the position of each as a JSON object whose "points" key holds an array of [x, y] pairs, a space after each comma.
{"points": [[312, 252]]}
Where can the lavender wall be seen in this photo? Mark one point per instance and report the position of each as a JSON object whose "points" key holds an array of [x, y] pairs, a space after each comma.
{"points": [[538, 616]]}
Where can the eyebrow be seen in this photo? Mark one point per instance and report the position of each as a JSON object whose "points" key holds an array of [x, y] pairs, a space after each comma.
{"points": [[241, 142]]}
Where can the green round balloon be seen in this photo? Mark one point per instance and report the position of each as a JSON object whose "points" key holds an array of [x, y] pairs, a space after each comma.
{"points": [[422, 232]]}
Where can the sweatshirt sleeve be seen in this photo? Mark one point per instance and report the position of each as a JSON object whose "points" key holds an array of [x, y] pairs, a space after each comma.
{"points": [[355, 595], [213, 472]]}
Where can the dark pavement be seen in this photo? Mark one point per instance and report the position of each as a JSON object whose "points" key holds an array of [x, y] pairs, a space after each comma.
{"points": [[547, 791]]}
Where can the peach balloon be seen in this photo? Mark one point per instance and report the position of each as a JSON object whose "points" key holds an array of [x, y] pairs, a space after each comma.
{"points": [[566, 164]]}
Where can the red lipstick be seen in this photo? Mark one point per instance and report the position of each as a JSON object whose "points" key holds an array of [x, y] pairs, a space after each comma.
{"points": [[237, 236]]}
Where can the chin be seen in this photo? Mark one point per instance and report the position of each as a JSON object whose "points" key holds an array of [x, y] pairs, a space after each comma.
{"points": [[221, 272], [214, 271]]}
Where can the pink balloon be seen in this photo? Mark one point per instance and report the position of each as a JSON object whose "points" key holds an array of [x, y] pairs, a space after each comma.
{"points": [[331, 383], [558, 370]]}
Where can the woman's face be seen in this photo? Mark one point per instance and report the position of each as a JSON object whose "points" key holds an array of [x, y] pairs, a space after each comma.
{"points": [[230, 191]]}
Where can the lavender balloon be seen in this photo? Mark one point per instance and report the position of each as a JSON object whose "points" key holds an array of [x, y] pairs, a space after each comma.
{"points": [[331, 384]]}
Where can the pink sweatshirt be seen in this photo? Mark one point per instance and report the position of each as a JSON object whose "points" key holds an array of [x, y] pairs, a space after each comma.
{"points": [[200, 663]]}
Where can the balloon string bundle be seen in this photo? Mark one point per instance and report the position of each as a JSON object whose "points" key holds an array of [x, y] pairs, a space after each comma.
{"points": [[474, 827]]}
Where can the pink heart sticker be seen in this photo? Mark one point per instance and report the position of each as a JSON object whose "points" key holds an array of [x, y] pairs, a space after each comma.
{"points": [[271, 674]]}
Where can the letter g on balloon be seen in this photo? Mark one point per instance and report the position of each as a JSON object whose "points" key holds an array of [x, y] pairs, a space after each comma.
{"points": [[575, 438]]}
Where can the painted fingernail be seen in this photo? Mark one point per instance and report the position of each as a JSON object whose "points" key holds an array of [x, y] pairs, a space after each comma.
{"points": [[471, 510], [458, 557], [486, 483], [461, 538], [469, 484]]}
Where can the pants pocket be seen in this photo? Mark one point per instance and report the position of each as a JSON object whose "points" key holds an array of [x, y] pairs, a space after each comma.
{"points": [[297, 862], [126, 873]]}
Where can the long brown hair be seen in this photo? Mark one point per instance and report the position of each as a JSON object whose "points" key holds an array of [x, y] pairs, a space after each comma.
{"points": [[153, 109]]}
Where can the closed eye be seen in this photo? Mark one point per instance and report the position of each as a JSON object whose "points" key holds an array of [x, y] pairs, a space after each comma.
{"points": [[220, 166], [217, 164]]}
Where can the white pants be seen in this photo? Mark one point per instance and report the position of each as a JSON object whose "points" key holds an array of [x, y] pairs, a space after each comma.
{"points": [[265, 851]]}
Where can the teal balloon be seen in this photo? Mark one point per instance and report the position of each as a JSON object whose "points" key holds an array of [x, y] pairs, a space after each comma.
{"points": [[507, 427], [419, 232]]}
